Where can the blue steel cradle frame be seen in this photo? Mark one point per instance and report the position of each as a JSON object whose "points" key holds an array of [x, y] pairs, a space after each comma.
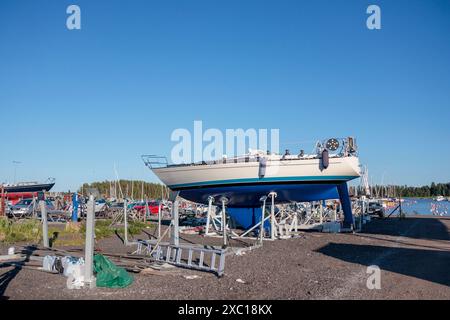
{"points": [[244, 202]]}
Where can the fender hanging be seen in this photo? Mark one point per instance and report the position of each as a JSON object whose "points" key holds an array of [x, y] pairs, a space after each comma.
{"points": [[262, 167], [325, 159]]}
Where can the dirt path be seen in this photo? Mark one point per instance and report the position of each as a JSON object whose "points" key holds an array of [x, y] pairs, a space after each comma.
{"points": [[413, 255]]}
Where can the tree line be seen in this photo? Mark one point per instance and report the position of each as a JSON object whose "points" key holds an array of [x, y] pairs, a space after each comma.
{"points": [[138, 189], [130, 189], [432, 190]]}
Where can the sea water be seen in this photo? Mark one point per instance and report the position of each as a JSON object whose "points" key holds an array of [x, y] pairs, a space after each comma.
{"points": [[426, 206]]}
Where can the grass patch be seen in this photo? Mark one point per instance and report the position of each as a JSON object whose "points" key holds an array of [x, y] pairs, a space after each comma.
{"points": [[134, 228], [73, 236], [20, 231], [70, 234]]}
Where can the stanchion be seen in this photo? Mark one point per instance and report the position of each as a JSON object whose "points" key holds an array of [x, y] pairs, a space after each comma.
{"points": [[44, 223], [89, 278]]}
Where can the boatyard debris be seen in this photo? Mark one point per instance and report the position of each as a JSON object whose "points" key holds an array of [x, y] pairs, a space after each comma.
{"points": [[109, 275]]}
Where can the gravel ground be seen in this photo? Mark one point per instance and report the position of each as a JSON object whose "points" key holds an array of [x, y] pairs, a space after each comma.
{"points": [[413, 255]]}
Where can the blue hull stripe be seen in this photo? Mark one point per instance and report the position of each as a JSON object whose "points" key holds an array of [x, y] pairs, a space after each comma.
{"points": [[271, 179]]}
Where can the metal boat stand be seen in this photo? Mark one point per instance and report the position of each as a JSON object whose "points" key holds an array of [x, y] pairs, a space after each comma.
{"points": [[217, 221], [279, 221], [189, 256], [276, 222], [282, 223]]}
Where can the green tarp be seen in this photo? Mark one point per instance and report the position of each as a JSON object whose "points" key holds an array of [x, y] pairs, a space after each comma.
{"points": [[109, 275]]}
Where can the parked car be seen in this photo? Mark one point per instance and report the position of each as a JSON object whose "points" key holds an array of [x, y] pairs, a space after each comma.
{"points": [[100, 205], [116, 205], [8, 209], [24, 208], [375, 208], [153, 207]]}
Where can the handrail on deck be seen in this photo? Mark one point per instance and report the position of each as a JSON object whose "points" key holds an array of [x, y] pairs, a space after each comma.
{"points": [[153, 161], [347, 147]]}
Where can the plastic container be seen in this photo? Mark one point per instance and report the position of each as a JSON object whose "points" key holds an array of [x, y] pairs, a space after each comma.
{"points": [[48, 263]]}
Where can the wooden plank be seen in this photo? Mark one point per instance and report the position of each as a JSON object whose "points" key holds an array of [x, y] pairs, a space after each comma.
{"points": [[12, 257]]}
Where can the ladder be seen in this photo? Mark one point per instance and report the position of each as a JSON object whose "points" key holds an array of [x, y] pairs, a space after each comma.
{"points": [[185, 256]]}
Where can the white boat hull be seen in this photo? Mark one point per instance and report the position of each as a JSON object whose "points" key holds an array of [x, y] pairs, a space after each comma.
{"points": [[277, 171]]}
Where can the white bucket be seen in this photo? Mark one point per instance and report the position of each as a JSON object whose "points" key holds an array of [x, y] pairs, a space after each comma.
{"points": [[11, 250], [75, 280]]}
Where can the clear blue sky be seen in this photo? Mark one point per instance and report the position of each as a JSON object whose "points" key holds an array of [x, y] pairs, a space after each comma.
{"points": [[74, 102]]}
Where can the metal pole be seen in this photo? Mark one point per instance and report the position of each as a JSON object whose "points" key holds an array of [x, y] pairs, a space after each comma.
{"points": [[2, 206], [75, 207], [175, 232], [175, 239], [44, 223], [360, 221], [208, 217], [261, 227], [400, 207], [159, 220], [132, 189], [224, 221], [89, 246], [34, 207], [335, 212], [363, 207], [272, 215], [146, 209], [321, 211], [125, 221]]}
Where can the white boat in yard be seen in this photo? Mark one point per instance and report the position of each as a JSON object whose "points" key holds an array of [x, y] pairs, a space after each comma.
{"points": [[243, 180], [258, 167]]}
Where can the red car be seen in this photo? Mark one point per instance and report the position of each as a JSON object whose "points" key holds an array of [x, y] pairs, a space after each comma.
{"points": [[153, 207]]}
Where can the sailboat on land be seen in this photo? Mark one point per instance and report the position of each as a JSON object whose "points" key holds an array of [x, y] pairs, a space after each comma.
{"points": [[244, 179], [28, 186]]}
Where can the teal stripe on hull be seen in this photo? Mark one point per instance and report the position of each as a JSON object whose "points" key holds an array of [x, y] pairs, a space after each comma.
{"points": [[272, 179]]}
